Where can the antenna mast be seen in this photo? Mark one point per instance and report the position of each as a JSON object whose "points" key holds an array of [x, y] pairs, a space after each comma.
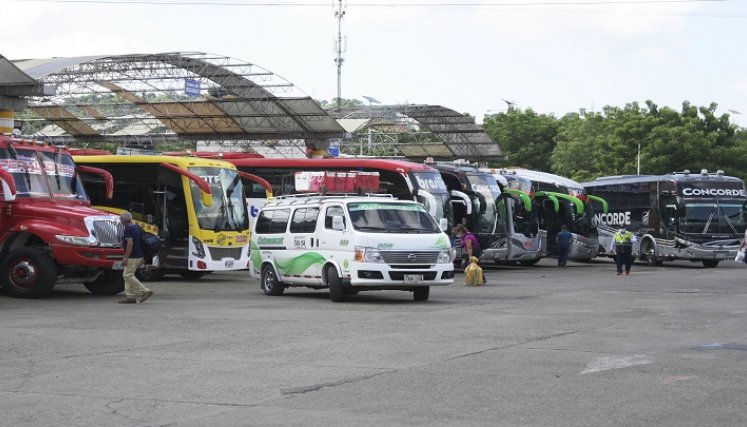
{"points": [[339, 14]]}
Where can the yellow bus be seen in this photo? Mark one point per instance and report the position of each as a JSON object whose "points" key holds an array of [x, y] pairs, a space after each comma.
{"points": [[196, 206]]}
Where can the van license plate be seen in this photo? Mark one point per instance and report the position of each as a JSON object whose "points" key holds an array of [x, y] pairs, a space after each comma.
{"points": [[413, 279], [118, 266], [229, 263]]}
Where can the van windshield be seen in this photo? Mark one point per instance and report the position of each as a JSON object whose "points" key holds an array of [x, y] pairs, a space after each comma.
{"points": [[382, 217]]}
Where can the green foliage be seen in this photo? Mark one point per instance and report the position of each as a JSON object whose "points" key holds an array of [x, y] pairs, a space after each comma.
{"points": [[346, 103], [527, 138], [607, 142]]}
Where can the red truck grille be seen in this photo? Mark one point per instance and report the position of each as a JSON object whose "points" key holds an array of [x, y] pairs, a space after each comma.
{"points": [[108, 232]]}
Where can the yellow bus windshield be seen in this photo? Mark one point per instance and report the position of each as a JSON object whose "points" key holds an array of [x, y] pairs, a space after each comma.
{"points": [[228, 211]]}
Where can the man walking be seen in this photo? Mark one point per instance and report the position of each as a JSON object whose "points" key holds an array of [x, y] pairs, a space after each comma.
{"points": [[564, 239], [623, 244], [133, 257]]}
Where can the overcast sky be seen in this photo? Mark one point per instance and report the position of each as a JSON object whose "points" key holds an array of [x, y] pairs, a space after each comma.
{"points": [[552, 56]]}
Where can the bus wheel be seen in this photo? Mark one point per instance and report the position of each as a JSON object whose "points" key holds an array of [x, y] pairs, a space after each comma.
{"points": [[421, 293], [192, 275], [710, 263], [336, 291], [109, 283], [648, 253], [269, 281], [28, 273], [149, 274], [530, 262]]}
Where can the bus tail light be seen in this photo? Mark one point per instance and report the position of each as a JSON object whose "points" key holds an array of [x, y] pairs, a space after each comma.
{"points": [[201, 265]]}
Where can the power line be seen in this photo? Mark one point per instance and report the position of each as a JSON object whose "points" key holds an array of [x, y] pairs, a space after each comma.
{"points": [[388, 5]]}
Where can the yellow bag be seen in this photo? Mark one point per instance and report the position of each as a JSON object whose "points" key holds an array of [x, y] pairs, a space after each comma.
{"points": [[473, 273]]}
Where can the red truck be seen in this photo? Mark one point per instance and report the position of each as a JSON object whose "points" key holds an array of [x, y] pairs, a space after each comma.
{"points": [[48, 230]]}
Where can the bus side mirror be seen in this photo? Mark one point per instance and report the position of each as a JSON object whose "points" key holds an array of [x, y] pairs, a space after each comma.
{"points": [[207, 198], [443, 224], [481, 203], [337, 223]]}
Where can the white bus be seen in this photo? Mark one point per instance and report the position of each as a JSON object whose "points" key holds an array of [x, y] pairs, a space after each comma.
{"points": [[560, 201]]}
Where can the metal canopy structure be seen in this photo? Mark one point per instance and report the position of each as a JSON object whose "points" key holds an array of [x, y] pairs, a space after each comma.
{"points": [[430, 130], [144, 99]]}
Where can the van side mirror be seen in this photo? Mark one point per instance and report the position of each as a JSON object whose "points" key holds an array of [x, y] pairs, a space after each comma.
{"points": [[443, 224], [337, 223]]}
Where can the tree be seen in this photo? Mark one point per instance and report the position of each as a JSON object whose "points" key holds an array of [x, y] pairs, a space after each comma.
{"points": [[527, 138], [346, 103], [607, 143]]}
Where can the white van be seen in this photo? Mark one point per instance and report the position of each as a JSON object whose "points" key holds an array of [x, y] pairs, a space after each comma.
{"points": [[349, 244]]}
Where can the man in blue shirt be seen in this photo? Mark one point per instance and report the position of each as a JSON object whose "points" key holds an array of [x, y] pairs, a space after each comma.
{"points": [[132, 259], [564, 239]]}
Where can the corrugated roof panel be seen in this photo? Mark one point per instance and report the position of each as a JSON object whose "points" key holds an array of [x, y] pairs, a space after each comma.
{"points": [[11, 74]]}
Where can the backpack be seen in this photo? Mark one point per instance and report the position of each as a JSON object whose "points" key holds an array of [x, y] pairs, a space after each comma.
{"points": [[150, 244]]}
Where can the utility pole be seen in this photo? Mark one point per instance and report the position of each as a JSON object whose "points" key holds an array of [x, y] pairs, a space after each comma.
{"points": [[339, 14]]}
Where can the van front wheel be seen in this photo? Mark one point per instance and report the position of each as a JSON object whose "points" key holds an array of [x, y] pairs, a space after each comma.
{"points": [[336, 291], [421, 293], [270, 283]]}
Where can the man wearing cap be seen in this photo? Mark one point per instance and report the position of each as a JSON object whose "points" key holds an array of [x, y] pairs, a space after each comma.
{"points": [[622, 244]]}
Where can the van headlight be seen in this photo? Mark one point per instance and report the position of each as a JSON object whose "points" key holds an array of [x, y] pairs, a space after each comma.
{"points": [[444, 256], [77, 240], [363, 254]]}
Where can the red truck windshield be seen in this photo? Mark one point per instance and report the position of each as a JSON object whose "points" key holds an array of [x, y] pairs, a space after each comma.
{"points": [[42, 173]]}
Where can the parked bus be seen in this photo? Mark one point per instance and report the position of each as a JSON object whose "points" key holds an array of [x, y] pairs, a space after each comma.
{"points": [[561, 201], [404, 180], [523, 221], [477, 202], [689, 216], [195, 205]]}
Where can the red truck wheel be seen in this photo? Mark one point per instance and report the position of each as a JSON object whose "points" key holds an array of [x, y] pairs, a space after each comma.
{"points": [[28, 273]]}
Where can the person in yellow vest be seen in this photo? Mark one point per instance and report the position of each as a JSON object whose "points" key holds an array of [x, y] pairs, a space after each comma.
{"points": [[622, 245]]}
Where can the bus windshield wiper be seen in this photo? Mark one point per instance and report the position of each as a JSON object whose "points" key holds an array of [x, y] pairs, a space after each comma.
{"points": [[728, 221], [708, 223], [232, 186], [219, 222]]}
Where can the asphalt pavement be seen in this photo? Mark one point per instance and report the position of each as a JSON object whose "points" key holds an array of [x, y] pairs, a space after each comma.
{"points": [[536, 346]]}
